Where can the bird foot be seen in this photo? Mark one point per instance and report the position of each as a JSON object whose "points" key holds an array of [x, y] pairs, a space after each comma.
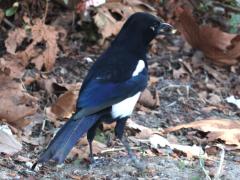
{"points": [[137, 163], [95, 162]]}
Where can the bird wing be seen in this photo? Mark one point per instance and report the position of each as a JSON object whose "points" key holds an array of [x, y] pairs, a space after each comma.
{"points": [[99, 93]]}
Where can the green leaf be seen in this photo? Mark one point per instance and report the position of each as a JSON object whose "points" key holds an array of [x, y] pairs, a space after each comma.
{"points": [[234, 23], [11, 11], [65, 1]]}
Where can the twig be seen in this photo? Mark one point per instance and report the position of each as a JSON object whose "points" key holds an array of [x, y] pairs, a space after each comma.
{"points": [[193, 3], [46, 12], [8, 23], [220, 167], [44, 120], [172, 86], [203, 168], [118, 149], [23, 85], [231, 8]]}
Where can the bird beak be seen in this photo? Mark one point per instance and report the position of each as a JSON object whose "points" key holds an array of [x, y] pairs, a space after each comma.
{"points": [[166, 29]]}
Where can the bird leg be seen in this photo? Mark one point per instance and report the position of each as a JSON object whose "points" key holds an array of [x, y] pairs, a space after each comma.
{"points": [[119, 130], [91, 152], [90, 136]]}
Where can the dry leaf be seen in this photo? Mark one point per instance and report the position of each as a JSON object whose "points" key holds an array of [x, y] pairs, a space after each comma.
{"points": [[157, 141], [225, 129], [83, 152], [43, 49], [36, 141], [190, 151], [65, 104], [214, 99], [15, 39], [216, 74], [11, 67], [83, 177], [221, 47], [180, 73], [142, 131], [111, 16], [23, 159], [16, 104], [146, 99], [8, 143]]}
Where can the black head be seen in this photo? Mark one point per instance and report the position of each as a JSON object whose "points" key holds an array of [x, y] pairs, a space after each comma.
{"points": [[141, 28]]}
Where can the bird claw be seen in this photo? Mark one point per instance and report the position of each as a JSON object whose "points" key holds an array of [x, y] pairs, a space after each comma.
{"points": [[92, 160], [95, 162], [137, 163]]}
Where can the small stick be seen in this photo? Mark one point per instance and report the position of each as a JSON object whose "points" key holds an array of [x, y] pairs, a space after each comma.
{"points": [[220, 167], [8, 23], [118, 149], [44, 121], [203, 169], [230, 8], [46, 12]]}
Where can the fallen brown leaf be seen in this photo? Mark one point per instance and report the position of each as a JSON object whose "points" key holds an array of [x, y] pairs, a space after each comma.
{"points": [[111, 16], [142, 132], [11, 67], [157, 141], [146, 99], [225, 129], [219, 46], [83, 152], [180, 73], [214, 99], [65, 105], [16, 104], [43, 55], [15, 38]]}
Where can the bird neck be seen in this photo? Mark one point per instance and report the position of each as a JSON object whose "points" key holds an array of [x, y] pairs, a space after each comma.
{"points": [[133, 43]]}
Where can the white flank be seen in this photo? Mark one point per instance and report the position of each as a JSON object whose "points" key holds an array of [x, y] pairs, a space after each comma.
{"points": [[125, 107]]}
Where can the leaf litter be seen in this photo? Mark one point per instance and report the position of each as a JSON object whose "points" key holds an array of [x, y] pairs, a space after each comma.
{"points": [[43, 49]]}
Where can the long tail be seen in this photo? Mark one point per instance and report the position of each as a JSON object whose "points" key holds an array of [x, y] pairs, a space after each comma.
{"points": [[66, 138]]}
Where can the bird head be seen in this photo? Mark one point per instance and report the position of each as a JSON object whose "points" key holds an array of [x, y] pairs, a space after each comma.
{"points": [[140, 28]]}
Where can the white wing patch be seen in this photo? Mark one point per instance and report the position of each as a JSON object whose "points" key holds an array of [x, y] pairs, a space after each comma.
{"points": [[126, 107], [139, 68]]}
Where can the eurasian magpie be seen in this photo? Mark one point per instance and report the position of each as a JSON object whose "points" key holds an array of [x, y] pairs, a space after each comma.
{"points": [[111, 88]]}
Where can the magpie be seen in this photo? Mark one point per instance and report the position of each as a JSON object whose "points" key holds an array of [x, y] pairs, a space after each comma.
{"points": [[111, 88]]}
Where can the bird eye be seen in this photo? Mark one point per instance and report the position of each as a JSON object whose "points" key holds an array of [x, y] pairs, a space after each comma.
{"points": [[152, 28]]}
